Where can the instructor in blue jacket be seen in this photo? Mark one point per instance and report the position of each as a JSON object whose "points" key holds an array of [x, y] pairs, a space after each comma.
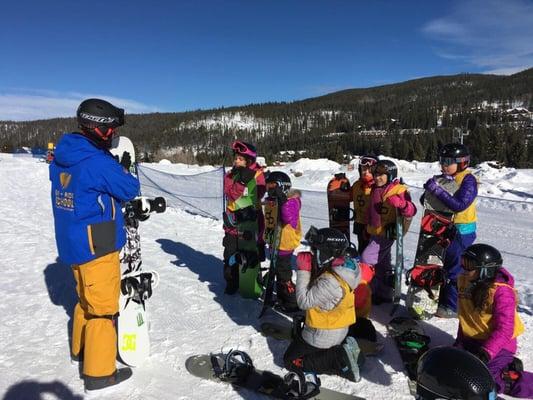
{"points": [[88, 187]]}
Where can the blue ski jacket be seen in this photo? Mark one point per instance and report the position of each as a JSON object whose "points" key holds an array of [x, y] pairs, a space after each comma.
{"points": [[88, 186]]}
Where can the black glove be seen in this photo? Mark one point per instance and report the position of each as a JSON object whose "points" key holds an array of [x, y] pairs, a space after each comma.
{"points": [[243, 174], [126, 160], [277, 193]]}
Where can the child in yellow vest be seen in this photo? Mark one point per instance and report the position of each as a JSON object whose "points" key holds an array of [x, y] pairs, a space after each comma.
{"points": [[488, 320], [279, 193], [389, 197], [326, 279], [454, 159]]}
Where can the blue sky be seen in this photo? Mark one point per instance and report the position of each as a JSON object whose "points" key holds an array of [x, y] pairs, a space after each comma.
{"points": [[185, 55]]}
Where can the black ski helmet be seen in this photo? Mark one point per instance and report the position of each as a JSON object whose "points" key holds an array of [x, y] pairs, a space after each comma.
{"points": [[366, 161], [329, 243], [483, 257], [455, 153], [281, 179], [450, 373], [98, 119], [386, 167]]}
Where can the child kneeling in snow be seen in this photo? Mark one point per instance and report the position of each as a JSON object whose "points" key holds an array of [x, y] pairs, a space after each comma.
{"points": [[488, 320], [325, 283]]}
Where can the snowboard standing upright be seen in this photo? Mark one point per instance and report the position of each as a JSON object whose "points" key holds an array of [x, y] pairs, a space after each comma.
{"points": [[339, 197], [136, 284], [273, 237], [436, 232], [247, 249]]}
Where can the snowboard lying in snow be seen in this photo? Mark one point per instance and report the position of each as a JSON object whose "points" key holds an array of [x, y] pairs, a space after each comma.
{"points": [[236, 368], [411, 342]]}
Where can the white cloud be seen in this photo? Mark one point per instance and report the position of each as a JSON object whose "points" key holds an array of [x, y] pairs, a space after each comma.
{"points": [[496, 36], [29, 104]]}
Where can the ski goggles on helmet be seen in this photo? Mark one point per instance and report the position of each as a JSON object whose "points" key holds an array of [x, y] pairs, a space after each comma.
{"points": [[447, 161], [244, 149], [367, 162]]}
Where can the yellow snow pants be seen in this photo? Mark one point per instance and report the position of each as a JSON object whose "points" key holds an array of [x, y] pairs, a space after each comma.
{"points": [[98, 287]]}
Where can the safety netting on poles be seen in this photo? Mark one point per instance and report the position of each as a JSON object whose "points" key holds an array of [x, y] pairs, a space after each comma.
{"points": [[199, 193]]}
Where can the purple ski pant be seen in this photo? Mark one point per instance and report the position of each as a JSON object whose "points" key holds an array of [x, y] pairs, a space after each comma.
{"points": [[378, 254], [522, 388]]}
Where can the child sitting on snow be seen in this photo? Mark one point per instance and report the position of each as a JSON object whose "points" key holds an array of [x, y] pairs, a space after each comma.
{"points": [[326, 279], [488, 320]]}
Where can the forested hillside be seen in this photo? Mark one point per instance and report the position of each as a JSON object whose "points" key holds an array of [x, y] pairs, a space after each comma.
{"points": [[408, 120]]}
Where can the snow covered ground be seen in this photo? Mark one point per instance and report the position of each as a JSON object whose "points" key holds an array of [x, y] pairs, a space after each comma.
{"points": [[189, 312]]}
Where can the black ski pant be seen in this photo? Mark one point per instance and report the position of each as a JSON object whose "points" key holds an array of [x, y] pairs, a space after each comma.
{"points": [[362, 236], [363, 329], [284, 268], [303, 356]]}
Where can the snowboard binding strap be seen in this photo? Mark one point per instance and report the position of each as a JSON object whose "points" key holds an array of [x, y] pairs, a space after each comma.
{"points": [[236, 368], [301, 385]]}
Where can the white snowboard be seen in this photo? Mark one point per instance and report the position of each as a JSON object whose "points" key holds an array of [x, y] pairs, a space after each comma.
{"points": [[132, 325], [132, 333]]}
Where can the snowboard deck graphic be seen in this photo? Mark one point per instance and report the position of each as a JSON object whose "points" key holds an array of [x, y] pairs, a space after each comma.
{"points": [[133, 340], [263, 382], [339, 197], [273, 237], [285, 332], [411, 342], [422, 302]]}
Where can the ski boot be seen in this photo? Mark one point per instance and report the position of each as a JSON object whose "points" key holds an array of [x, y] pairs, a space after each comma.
{"points": [[352, 359], [102, 382]]}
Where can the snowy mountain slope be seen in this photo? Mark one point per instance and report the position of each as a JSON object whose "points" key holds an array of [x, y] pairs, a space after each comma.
{"points": [[189, 312]]}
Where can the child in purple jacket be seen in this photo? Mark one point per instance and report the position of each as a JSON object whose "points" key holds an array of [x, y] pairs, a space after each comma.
{"points": [[488, 320], [279, 193], [454, 159]]}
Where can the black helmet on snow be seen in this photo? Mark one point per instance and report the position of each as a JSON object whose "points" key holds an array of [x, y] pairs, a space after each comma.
{"points": [[450, 373], [455, 153], [330, 243], [366, 161], [483, 257], [281, 179], [386, 167], [98, 119]]}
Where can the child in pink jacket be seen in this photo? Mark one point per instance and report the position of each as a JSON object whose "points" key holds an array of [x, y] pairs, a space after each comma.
{"points": [[388, 198], [488, 320]]}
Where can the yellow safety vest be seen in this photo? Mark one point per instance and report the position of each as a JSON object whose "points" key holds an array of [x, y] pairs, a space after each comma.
{"points": [[477, 324], [388, 212], [361, 201], [468, 215], [341, 316]]}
